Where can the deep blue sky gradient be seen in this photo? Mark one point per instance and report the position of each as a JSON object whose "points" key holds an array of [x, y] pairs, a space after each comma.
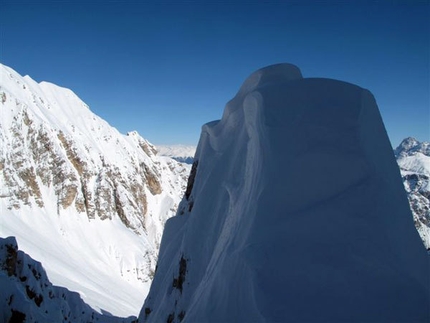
{"points": [[166, 68]]}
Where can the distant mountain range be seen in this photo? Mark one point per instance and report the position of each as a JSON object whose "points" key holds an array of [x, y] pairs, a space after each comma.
{"points": [[413, 158], [181, 153]]}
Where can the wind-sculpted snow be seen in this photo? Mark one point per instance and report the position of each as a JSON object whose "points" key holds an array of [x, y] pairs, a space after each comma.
{"points": [[87, 201], [296, 213]]}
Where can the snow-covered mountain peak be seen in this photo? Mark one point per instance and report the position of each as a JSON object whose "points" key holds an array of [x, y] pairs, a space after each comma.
{"points": [[410, 146], [413, 158], [69, 181]]}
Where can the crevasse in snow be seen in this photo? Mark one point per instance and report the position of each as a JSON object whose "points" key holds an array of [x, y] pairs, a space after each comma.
{"points": [[296, 213]]}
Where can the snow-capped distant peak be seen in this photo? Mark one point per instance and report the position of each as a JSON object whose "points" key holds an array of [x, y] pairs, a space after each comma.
{"points": [[410, 146], [413, 158]]}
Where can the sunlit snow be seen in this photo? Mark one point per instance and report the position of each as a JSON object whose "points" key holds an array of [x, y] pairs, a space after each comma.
{"points": [[110, 265]]}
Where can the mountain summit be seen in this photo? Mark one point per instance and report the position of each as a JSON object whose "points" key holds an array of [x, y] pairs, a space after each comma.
{"points": [[85, 200], [294, 212]]}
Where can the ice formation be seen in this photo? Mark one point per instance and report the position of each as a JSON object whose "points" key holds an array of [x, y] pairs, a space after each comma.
{"points": [[294, 212]]}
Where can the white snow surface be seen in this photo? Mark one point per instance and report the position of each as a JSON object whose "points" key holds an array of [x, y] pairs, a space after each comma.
{"points": [[27, 291], [418, 162], [297, 213], [108, 263]]}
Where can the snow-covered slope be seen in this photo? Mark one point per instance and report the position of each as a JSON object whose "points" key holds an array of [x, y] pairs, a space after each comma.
{"points": [[85, 200], [27, 295], [294, 212], [181, 153], [413, 158]]}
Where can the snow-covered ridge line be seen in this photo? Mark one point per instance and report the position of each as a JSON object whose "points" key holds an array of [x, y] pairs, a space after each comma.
{"points": [[27, 295], [87, 201]]}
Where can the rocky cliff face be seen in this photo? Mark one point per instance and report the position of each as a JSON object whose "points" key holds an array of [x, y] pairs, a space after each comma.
{"points": [[59, 161], [36, 153], [413, 158]]}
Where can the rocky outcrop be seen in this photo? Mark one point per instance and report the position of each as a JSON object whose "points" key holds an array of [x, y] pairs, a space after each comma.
{"points": [[40, 148], [49, 157]]}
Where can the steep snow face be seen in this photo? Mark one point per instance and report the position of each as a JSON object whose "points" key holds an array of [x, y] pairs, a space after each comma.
{"points": [[413, 158], [294, 212], [27, 295], [87, 201], [180, 153]]}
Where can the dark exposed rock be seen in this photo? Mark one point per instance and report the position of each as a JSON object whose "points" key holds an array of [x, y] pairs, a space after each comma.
{"points": [[17, 317], [181, 316], [11, 259], [170, 318], [179, 281], [38, 299], [152, 180], [191, 179], [74, 158]]}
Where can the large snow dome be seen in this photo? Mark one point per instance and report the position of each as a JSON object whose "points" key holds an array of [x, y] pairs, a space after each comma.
{"points": [[297, 213]]}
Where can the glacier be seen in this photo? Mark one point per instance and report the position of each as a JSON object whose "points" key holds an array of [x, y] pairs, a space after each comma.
{"points": [[294, 212]]}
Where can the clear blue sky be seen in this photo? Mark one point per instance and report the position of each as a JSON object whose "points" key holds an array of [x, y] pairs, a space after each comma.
{"points": [[164, 68]]}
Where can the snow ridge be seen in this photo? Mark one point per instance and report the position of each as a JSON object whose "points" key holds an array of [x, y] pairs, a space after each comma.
{"points": [[294, 212], [27, 295]]}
